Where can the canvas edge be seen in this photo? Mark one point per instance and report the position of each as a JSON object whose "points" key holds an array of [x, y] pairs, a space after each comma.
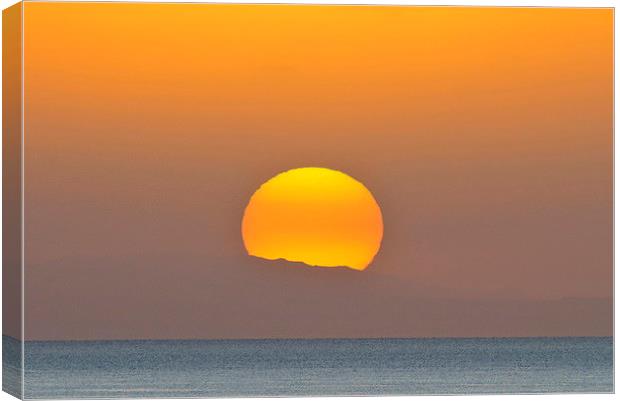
{"points": [[12, 148]]}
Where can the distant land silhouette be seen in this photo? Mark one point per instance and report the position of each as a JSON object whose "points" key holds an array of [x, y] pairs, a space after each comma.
{"points": [[293, 300]]}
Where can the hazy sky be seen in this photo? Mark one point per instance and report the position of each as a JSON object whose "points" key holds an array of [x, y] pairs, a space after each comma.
{"points": [[484, 134]]}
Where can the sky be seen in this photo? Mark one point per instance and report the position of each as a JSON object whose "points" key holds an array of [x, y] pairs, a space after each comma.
{"points": [[484, 134]]}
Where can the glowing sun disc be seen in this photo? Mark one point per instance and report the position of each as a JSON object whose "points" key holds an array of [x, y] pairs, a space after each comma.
{"points": [[314, 215]]}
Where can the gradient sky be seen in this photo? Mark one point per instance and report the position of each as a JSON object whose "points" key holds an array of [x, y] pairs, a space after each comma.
{"points": [[484, 133]]}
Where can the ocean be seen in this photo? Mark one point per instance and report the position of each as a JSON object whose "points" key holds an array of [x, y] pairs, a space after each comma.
{"points": [[322, 367]]}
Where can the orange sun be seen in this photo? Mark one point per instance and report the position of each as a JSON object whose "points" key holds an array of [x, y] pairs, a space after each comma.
{"points": [[317, 216]]}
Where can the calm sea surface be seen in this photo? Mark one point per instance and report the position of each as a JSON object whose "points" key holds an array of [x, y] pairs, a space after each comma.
{"points": [[105, 369]]}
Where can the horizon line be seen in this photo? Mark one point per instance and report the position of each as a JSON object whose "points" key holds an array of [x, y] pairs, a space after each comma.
{"points": [[313, 338]]}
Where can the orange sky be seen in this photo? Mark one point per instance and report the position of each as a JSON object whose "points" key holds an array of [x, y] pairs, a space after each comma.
{"points": [[485, 132]]}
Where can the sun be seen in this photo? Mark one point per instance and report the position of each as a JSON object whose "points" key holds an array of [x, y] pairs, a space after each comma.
{"points": [[318, 216]]}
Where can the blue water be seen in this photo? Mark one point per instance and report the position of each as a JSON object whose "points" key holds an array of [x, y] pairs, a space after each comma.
{"points": [[217, 368]]}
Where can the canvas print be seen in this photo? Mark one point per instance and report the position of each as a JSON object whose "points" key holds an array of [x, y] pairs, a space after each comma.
{"points": [[234, 200]]}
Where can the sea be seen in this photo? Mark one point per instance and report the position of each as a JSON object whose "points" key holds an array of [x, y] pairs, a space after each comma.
{"points": [[317, 367]]}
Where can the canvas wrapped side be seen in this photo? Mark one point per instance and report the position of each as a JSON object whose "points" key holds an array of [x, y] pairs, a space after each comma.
{"points": [[12, 355]]}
